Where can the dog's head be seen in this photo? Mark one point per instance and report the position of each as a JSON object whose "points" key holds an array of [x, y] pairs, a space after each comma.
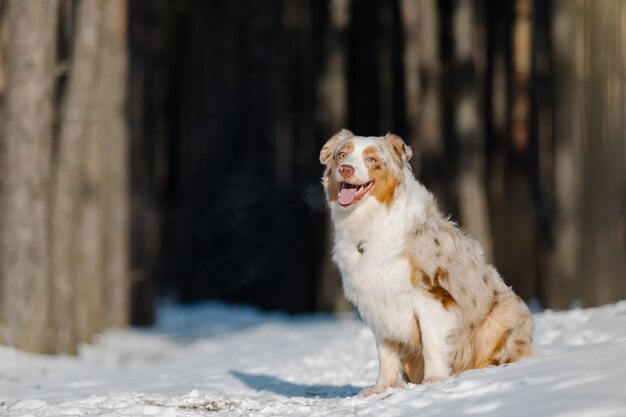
{"points": [[358, 168]]}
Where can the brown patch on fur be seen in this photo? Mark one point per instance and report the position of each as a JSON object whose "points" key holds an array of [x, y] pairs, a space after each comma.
{"points": [[434, 284], [438, 291], [426, 280], [332, 188], [443, 296], [416, 271], [385, 183], [347, 147], [400, 150], [437, 242], [361, 246], [493, 358], [485, 279], [410, 354], [328, 150], [503, 335], [413, 367], [332, 184], [501, 342], [441, 275]]}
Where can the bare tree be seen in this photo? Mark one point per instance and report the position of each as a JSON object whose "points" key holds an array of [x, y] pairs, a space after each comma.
{"points": [[422, 92], [63, 196], [68, 257], [332, 108], [26, 141], [562, 275], [469, 61], [603, 214], [113, 140]]}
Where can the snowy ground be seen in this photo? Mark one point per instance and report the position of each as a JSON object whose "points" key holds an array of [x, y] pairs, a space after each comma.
{"points": [[214, 359]]}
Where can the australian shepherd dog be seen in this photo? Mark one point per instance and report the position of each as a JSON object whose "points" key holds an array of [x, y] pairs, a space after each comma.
{"points": [[436, 308]]}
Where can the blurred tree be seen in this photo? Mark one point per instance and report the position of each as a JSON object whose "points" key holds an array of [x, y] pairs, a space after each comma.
{"points": [[332, 116], [561, 288], [510, 171], [603, 205], [514, 111], [468, 64], [258, 88], [63, 240], [26, 143], [150, 150], [73, 272]]}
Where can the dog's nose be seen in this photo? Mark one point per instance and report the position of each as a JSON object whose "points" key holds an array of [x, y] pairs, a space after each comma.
{"points": [[346, 171]]}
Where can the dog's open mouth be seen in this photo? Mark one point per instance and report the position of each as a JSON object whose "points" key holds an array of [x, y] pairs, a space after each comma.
{"points": [[351, 193]]}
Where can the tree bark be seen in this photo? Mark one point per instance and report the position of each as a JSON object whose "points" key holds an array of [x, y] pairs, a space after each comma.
{"points": [[410, 12], [422, 68], [603, 213], [469, 62], [560, 286], [25, 151], [112, 138], [332, 108], [73, 311], [422, 74]]}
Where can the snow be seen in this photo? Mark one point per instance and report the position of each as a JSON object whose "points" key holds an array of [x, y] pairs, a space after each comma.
{"points": [[224, 360]]}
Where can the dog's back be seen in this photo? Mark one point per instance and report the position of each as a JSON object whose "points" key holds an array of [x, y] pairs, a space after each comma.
{"points": [[435, 306]]}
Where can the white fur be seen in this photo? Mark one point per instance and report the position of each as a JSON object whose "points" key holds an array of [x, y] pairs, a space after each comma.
{"points": [[378, 281]]}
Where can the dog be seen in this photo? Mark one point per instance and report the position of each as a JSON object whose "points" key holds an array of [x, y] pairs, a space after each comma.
{"points": [[436, 308]]}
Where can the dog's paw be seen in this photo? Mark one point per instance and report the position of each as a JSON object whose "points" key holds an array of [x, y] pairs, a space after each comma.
{"points": [[368, 392]]}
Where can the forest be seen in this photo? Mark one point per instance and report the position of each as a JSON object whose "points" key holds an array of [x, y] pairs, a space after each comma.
{"points": [[168, 150]]}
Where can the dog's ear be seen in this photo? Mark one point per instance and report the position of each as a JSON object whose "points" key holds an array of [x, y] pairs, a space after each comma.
{"points": [[399, 148], [329, 147]]}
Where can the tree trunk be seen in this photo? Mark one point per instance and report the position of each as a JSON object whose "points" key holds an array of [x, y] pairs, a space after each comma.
{"points": [[25, 150], [511, 194], [151, 158], [603, 213], [422, 66], [469, 63], [423, 97], [72, 267], [410, 12], [112, 141], [560, 286], [332, 107]]}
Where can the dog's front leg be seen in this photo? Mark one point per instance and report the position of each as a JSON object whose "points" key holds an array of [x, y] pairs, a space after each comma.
{"points": [[389, 368], [436, 324]]}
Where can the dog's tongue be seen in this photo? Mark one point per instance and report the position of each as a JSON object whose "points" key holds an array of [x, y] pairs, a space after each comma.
{"points": [[347, 193]]}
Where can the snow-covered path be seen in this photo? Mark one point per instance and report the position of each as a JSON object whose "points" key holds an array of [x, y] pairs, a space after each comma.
{"points": [[214, 359]]}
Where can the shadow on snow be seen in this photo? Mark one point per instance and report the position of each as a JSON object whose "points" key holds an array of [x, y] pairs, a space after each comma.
{"points": [[290, 389]]}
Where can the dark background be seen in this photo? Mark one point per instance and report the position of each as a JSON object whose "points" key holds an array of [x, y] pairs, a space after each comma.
{"points": [[168, 149], [230, 103]]}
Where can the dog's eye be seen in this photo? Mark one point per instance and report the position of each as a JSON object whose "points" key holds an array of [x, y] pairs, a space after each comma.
{"points": [[341, 154], [372, 159]]}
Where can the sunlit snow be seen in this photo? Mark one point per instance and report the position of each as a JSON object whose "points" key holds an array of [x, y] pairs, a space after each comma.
{"points": [[217, 359]]}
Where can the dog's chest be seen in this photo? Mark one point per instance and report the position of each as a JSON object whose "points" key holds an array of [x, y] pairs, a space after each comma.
{"points": [[376, 279]]}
